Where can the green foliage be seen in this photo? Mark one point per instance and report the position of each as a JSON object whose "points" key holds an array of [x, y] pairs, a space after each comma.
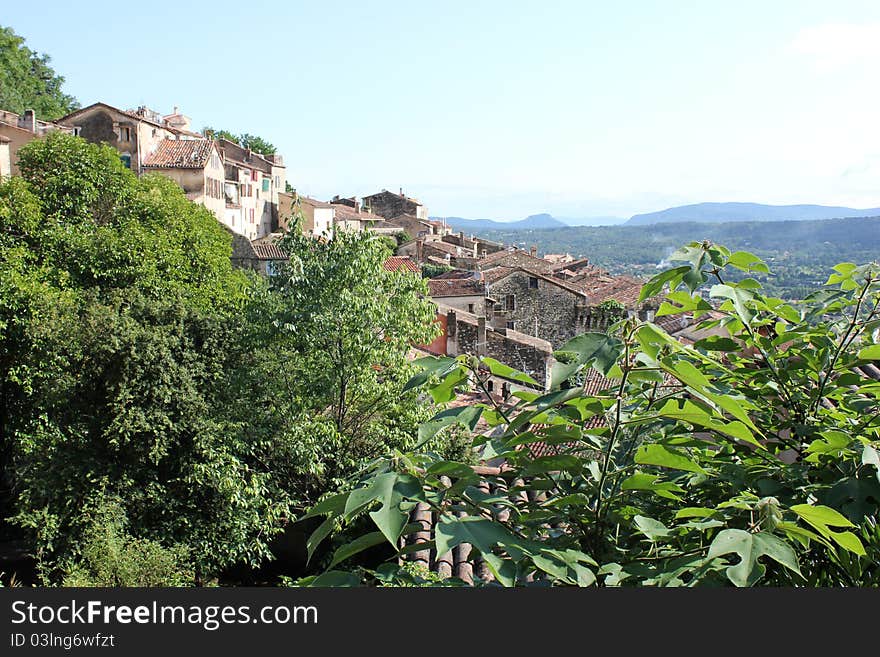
{"points": [[109, 556], [330, 362], [120, 340], [245, 140], [28, 82], [430, 270], [755, 464]]}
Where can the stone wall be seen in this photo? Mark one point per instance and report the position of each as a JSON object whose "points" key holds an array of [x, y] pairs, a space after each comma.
{"points": [[549, 311], [468, 334], [389, 205]]}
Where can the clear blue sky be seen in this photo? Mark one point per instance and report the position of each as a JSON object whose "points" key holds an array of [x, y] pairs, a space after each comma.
{"points": [[504, 109]]}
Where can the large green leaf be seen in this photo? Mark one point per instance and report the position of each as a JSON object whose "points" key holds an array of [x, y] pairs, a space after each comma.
{"points": [[871, 352], [598, 349], [430, 366], [667, 458], [822, 518], [359, 544], [467, 416], [750, 547], [506, 372], [651, 528]]}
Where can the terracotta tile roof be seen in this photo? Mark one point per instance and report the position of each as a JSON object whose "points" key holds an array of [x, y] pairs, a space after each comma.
{"points": [[348, 213], [396, 263], [455, 287], [496, 274], [445, 247], [315, 203], [266, 251], [180, 154]]}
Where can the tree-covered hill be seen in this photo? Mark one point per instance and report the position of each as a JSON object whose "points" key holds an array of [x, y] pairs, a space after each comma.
{"points": [[799, 253]]}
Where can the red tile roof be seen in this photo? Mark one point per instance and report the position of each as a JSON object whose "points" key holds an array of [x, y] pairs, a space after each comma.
{"points": [[455, 287], [269, 251], [180, 154], [396, 263]]}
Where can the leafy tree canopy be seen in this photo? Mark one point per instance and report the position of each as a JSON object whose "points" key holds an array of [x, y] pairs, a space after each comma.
{"points": [[245, 140], [28, 82]]}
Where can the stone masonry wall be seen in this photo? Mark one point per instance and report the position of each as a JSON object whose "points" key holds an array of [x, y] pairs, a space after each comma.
{"points": [[550, 312]]}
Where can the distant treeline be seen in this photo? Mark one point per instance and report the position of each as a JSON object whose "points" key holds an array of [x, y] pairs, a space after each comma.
{"points": [[799, 253]]}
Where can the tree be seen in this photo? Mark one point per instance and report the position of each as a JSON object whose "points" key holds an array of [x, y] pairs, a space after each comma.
{"points": [[245, 140], [341, 327], [28, 82], [749, 457], [256, 144], [120, 325], [211, 133]]}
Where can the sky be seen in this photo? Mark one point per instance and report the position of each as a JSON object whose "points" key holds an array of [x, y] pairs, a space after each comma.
{"points": [[504, 109]]}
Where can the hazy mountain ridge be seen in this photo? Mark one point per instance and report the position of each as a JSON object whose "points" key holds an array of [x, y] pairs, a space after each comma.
{"points": [[532, 222], [740, 212]]}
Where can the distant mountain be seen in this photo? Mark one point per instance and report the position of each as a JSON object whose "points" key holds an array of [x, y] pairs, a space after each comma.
{"points": [[729, 212], [533, 222], [592, 221]]}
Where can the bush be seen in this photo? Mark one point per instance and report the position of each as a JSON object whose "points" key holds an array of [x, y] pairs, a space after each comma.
{"points": [[109, 556]]}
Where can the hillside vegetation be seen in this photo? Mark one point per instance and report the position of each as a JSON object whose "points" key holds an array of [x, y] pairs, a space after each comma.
{"points": [[799, 253]]}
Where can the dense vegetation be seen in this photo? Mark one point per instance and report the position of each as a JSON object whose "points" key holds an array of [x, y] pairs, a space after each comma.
{"points": [[162, 408], [799, 252], [747, 458], [28, 82]]}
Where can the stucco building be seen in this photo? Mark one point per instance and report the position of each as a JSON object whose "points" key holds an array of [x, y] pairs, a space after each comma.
{"points": [[17, 130]]}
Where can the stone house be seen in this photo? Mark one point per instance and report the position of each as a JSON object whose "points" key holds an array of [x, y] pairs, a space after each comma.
{"points": [[466, 333], [516, 258], [136, 134], [262, 256], [534, 304], [460, 290], [195, 165], [16, 131], [389, 205]]}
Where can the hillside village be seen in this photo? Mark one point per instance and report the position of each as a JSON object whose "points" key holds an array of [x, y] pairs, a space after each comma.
{"points": [[495, 300]]}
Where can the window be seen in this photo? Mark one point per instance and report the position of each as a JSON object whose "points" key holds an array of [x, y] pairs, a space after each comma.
{"points": [[471, 308], [76, 130], [124, 133], [252, 215], [510, 302], [511, 326], [266, 183], [254, 176], [277, 182], [126, 160], [533, 282]]}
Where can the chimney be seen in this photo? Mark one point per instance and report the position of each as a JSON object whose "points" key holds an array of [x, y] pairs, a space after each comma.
{"points": [[419, 250], [451, 334], [28, 120], [401, 191], [533, 251], [175, 110]]}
